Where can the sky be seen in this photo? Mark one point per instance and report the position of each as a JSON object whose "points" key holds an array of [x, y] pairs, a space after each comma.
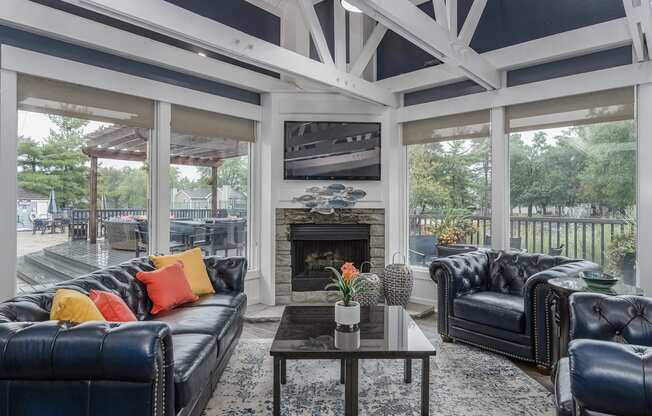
{"points": [[37, 127]]}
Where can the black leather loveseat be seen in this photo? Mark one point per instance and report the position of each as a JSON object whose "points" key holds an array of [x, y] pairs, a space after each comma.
{"points": [[608, 370], [498, 300], [163, 367]]}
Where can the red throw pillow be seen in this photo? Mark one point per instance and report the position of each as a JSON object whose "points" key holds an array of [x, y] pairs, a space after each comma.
{"points": [[167, 287], [112, 307]]}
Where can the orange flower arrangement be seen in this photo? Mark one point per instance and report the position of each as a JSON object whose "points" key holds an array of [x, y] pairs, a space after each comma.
{"points": [[346, 282], [349, 271]]}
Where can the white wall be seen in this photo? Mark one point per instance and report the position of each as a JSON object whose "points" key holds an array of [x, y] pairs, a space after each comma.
{"points": [[389, 193]]}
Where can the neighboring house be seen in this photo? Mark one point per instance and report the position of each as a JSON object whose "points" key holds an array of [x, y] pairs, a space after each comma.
{"points": [[29, 205], [201, 198]]}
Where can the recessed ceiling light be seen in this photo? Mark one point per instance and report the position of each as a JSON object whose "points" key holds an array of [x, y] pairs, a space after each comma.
{"points": [[348, 6], [202, 54]]}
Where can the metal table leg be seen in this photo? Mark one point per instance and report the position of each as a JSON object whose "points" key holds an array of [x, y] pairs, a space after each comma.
{"points": [[407, 370], [425, 386], [342, 371], [277, 386], [351, 387]]}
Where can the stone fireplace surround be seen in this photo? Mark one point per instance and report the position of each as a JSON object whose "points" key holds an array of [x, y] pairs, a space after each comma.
{"points": [[285, 217]]}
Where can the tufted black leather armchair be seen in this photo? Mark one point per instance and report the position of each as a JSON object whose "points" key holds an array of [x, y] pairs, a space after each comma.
{"points": [[159, 366], [608, 370], [498, 300]]}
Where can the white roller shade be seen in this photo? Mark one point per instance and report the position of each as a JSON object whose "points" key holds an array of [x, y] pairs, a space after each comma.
{"points": [[596, 107], [459, 126], [195, 122], [70, 100]]}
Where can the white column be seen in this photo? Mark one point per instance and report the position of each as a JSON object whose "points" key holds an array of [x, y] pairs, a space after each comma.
{"points": [[8, 174], [269, 164], [159, 181], [500, 203], [644, 194], [356, 35]]}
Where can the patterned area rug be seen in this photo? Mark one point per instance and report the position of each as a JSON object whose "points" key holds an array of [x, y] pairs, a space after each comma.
{"points": [[463, 381]]}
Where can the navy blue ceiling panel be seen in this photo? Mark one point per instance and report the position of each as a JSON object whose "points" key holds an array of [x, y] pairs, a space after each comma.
{"points": [[239, 14], [84, 55], [577, 65], [456, 89], [396, 55], [326, 15], [503, 23], [509, 22], [119, 24]]}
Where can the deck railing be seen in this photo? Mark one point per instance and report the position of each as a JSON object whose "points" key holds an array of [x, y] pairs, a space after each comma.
{"points": [[587, 238], [79, 217]]}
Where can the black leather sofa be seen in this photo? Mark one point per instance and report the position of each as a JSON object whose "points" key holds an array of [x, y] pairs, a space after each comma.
{"points": [[163, 366], [499, 300], [608, 370]]}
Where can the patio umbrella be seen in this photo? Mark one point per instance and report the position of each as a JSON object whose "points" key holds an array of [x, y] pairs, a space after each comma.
{"points": [[52, 203], [104, 203]]}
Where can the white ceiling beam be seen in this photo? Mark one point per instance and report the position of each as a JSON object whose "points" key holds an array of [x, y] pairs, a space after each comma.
{"points": [[339, 27], [368, 50], [646, 24], [472, 20], [601, 80], [635, 30], [182, 24], [404, 18], [440, 13], [316, 31], [53, 23], [451, 13], [594, 38], [356, 36]]}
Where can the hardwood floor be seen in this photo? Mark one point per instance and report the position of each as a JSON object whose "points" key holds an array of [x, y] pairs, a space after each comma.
{"points": [[267, 330]]}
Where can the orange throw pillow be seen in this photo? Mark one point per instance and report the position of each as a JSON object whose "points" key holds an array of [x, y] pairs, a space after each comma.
{"points": [[167, 287], [112, 307]]}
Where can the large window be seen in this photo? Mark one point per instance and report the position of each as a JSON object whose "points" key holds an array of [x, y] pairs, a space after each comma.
{"points": [[82, 179], [449, 173], [209, 176], [573, 178]]}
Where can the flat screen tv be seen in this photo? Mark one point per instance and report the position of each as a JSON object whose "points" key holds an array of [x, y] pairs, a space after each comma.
{"points": [[332, 151]]}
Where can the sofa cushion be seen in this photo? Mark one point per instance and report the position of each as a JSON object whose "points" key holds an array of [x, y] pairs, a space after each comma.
{"points": [[195, 357], [491, 308], [232, 300], [209, 320], [507, 274]]}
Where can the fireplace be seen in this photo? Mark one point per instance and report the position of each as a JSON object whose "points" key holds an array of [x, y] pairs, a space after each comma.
{"points": [[316, 246]]}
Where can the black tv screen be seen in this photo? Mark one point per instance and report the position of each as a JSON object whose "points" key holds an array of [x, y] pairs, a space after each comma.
{"points": [[332, 151]]}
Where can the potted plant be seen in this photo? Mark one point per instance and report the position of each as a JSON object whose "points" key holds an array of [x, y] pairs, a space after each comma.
{"points": [[621, 256], [347, 311], [452, 230]]}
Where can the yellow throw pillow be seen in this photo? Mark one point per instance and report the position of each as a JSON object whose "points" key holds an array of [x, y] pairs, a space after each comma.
{"points": [[70, 305], [193, 267]]}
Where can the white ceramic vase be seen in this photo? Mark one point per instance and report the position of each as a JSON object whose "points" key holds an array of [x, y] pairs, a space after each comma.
{"points": [[347, 315]]}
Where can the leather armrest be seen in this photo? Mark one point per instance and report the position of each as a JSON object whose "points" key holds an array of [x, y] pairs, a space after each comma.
{"points": [[227, 274], [468, 272], [52, 350], [611, 378], [572, 268]]}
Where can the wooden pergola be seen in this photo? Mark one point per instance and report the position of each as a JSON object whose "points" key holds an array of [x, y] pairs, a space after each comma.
{"points": [[130, 144]]}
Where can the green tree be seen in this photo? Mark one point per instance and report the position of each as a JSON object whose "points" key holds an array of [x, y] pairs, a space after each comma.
{"points": [[56, 164], [234, 172]]}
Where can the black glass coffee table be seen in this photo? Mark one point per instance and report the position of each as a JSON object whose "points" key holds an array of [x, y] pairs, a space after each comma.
{"points": [[386, 332]]}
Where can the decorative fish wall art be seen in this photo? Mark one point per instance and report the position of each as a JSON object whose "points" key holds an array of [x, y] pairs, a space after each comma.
{"points": [[326, 199]]}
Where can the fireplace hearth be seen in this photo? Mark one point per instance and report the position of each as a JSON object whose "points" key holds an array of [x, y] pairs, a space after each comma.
{"points": [[317, 246]]}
